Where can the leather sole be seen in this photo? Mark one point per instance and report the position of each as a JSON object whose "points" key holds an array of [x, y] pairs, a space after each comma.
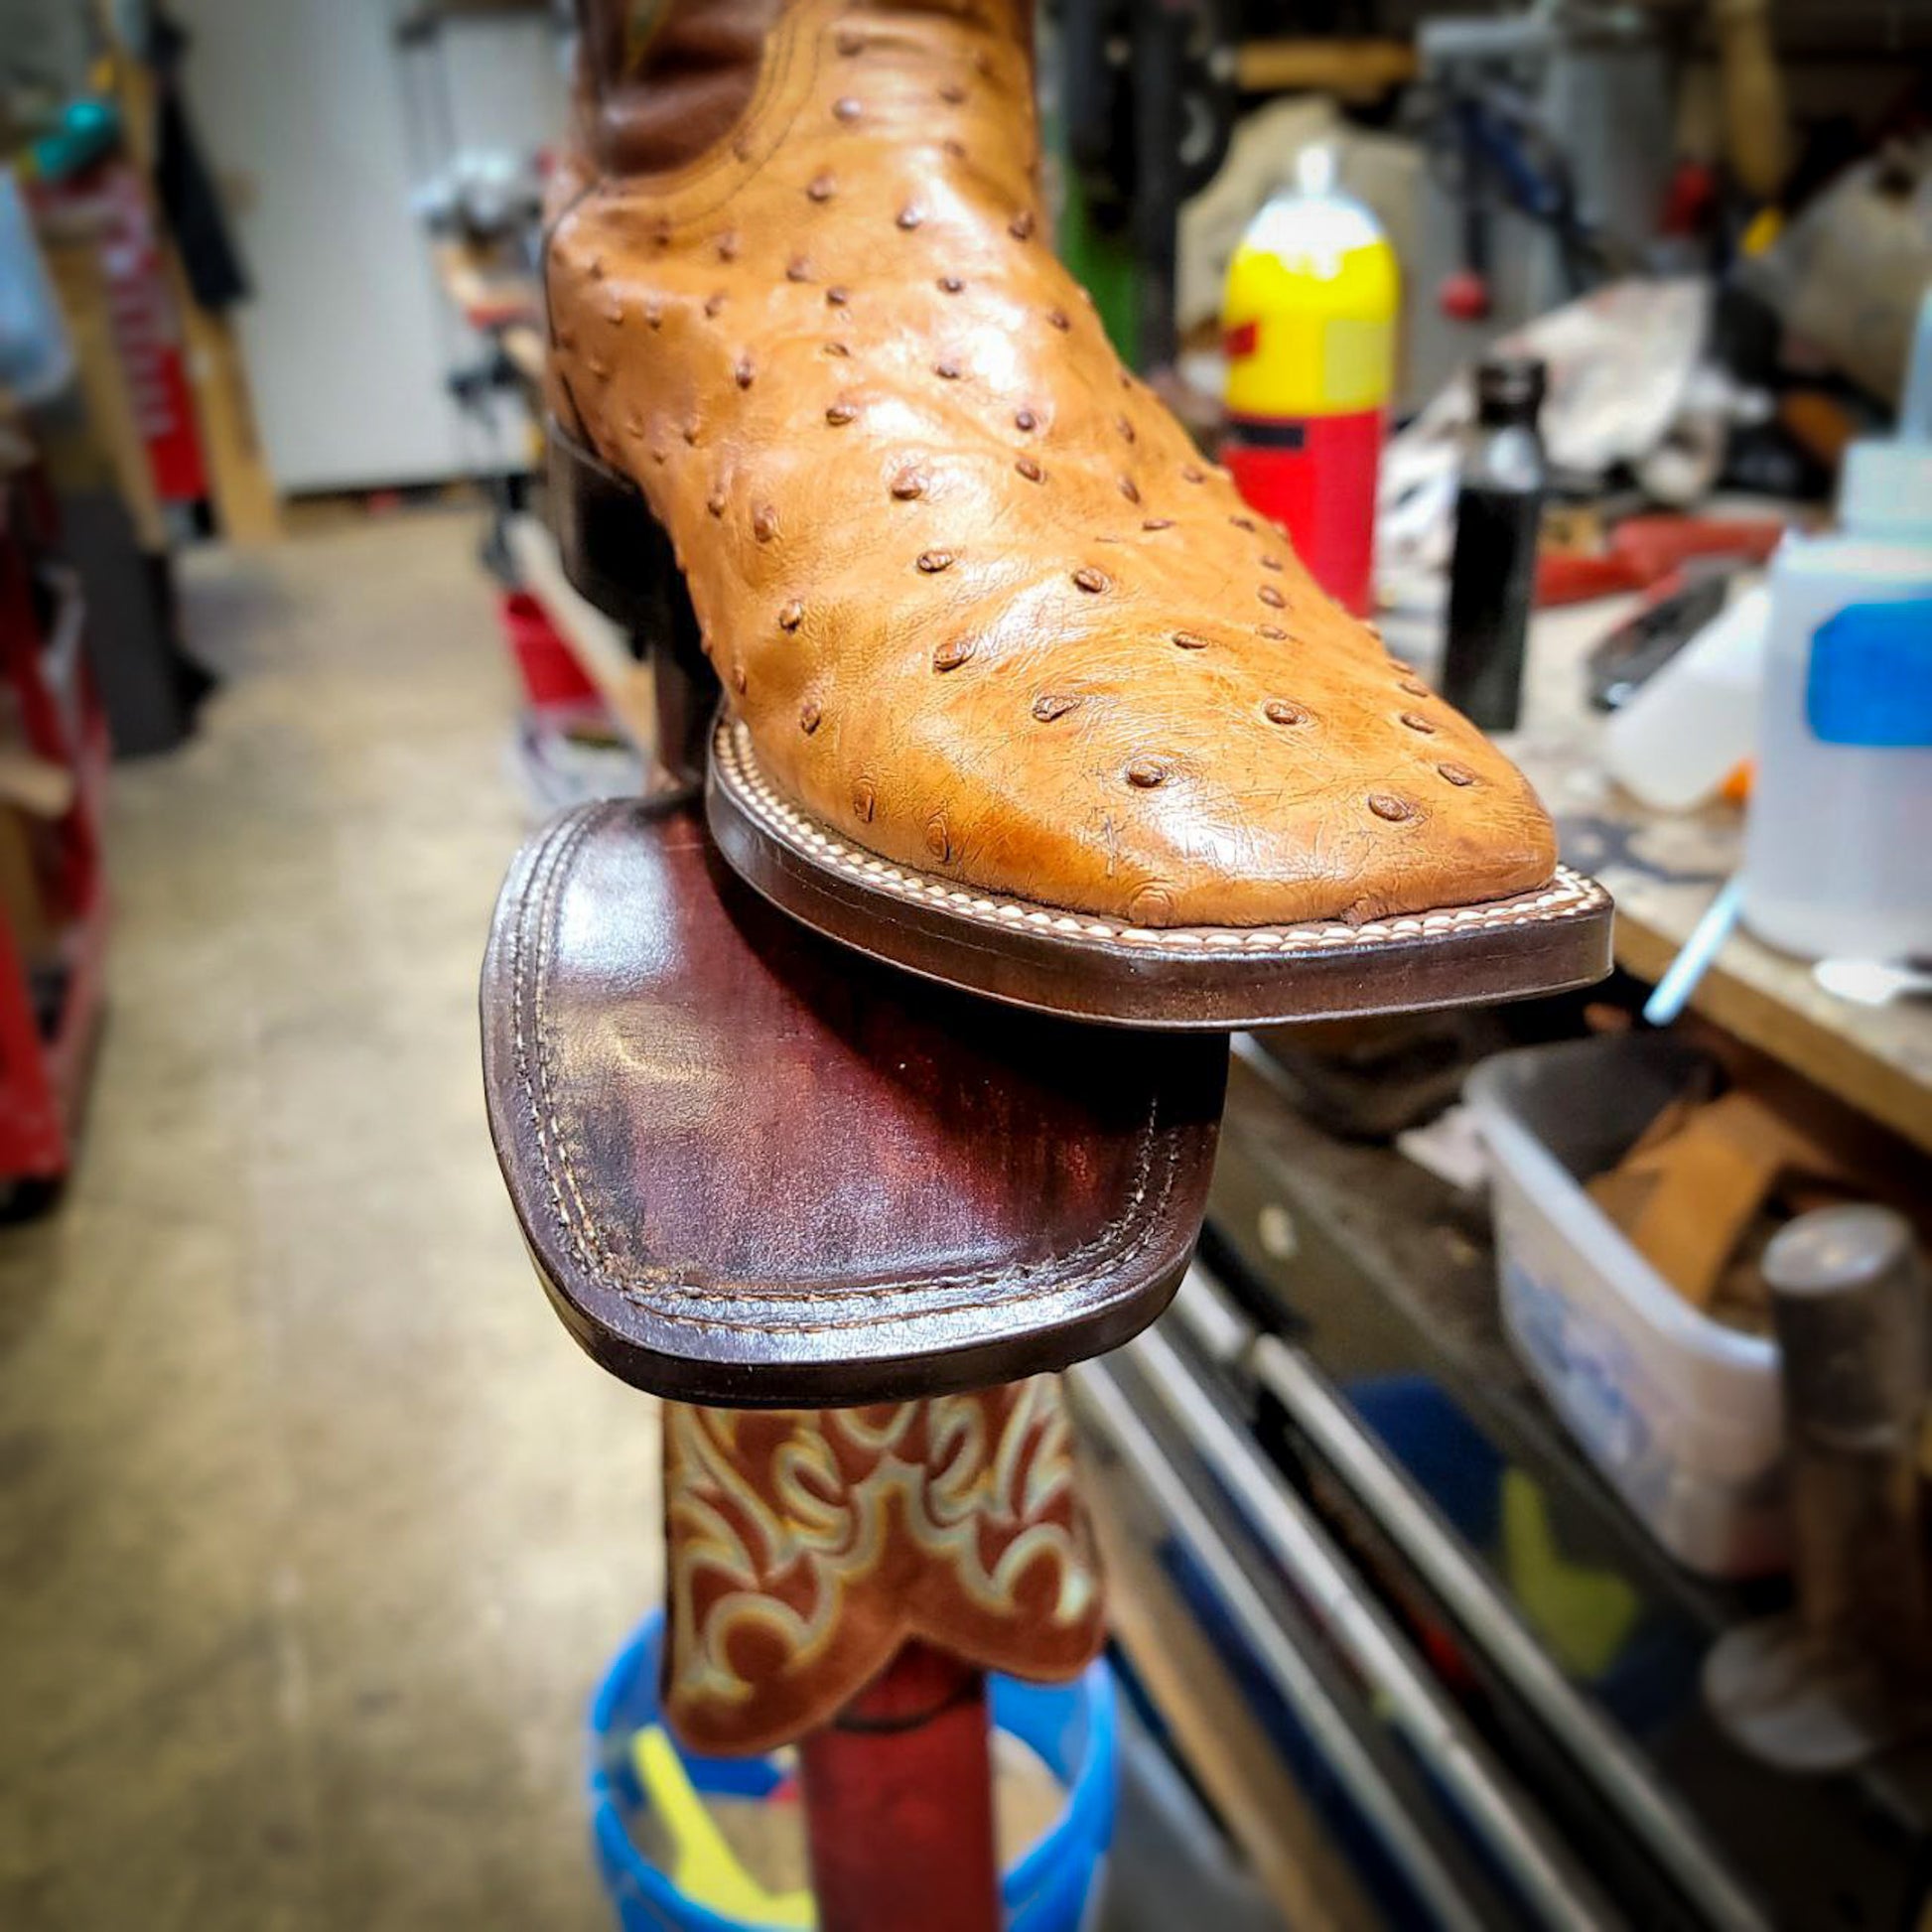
{"points": [[756, 1172], [1048, 958]]}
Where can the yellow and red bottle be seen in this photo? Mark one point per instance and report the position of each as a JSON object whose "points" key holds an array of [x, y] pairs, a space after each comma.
{"points": [[1309, 327]]}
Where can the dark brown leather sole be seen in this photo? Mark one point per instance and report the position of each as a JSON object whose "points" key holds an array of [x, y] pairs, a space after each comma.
{"points": [[756, 1172], [1051, 958]]}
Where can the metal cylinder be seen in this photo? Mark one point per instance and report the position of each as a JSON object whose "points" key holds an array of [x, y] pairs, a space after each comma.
{"points": [[1849, 1300]]}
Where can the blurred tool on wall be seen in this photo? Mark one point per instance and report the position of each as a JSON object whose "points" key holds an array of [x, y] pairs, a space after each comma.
{"points": [[1548, 136], [1309, 330]]}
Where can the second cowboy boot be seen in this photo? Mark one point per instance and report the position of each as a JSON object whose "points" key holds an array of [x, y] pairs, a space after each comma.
{"points": [[1017, 692]]}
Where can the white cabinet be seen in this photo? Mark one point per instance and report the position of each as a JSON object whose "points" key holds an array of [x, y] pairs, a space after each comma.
{"points": [[312, 113]]}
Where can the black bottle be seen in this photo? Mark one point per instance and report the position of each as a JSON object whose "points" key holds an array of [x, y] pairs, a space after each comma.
{"points": [[1493, 576]]}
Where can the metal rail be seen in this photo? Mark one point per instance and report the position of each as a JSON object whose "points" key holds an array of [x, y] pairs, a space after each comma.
{"points": [[1299, 1687], [1602, 1755], [1546, 1874]]}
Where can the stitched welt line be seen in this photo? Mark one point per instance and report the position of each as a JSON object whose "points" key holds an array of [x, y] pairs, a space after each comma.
{"points": [[539, 869], [544, 883], [655, 1281], [1141, 1204], [1023, 1289], [578, 1225], [736, 760], [590, 1248]]}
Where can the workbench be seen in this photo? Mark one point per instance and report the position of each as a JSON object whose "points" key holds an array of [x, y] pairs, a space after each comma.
{"points": [[1665, 868]]}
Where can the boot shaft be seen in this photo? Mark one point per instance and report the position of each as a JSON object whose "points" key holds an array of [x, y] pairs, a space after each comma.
{"points": [[661, 82], [658, 81]]}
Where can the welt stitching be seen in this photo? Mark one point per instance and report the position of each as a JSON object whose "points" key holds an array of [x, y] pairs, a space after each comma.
{"points": [[580, 1229], [648, 1283], [565, 836], [549, 914], [734, 762], [649, 1299], [546, 917]]}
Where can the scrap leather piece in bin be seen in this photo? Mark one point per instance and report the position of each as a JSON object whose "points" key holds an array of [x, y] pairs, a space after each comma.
{"points": [[1693, 1191], [807, 1545]]}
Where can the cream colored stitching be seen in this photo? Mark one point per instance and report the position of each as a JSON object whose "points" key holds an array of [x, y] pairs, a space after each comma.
{"points": [[651, 1287], [563, 838], [735, 761]]}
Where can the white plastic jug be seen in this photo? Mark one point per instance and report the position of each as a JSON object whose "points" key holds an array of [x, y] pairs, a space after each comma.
{"points": [[1838, 849], [1693, 723]]}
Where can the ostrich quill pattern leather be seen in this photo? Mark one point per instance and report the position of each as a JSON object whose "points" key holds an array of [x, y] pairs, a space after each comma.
{"points": [[981, 606], [806, 1545]]}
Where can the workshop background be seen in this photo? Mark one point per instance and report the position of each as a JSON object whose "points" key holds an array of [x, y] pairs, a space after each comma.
{"points": [[318, 1534]]}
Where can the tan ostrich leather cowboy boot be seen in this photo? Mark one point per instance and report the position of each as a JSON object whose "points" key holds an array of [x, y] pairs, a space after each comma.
{"points": [[1019, 693]]}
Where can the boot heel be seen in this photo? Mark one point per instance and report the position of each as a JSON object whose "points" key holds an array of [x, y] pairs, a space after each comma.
{"points": [[614, 550], [619, 557]]}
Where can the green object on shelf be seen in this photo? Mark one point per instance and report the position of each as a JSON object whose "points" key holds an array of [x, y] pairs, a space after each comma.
{"points": [[1103, 265]]}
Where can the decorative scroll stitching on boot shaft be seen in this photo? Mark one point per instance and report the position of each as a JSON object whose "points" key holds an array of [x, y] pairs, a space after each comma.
{"points": [[836, 351], [805, 1546]]}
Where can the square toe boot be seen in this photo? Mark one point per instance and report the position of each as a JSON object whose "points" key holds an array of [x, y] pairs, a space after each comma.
{"points": [[984, 620]]}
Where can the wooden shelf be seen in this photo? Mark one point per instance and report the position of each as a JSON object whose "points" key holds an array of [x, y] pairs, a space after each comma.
{"points": [[1351, 70]]}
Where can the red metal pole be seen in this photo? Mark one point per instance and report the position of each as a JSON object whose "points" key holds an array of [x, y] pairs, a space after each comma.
{"points": [[899, 1803]]}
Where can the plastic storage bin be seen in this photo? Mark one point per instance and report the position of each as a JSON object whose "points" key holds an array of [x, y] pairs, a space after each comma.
{"points": [[1683, 1414], [1071, 1726]]}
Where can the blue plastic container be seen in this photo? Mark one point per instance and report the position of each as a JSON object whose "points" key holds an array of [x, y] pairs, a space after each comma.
{"points": [[1071, 1726]]}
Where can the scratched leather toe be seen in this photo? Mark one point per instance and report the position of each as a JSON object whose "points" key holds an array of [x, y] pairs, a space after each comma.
{"points": [[981, 606]]}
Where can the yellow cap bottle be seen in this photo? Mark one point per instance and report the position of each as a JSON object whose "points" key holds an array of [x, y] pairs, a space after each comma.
{"points": [[1309, 330]]}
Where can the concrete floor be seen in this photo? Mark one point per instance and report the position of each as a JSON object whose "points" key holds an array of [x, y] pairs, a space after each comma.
{"points": [[315, 1529]]}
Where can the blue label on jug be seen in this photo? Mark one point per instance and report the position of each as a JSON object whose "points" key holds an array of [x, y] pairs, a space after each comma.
{"points": [[1870, 678]]}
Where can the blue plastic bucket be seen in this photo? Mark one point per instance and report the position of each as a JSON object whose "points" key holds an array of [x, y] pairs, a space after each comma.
{"points": [[1071, 1727]]}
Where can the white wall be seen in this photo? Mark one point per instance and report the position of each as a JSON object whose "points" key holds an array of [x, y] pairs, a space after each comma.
{"points": [[305, 106]]}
